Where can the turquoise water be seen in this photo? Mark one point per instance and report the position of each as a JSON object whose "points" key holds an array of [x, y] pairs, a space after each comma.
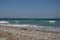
{"points": [[35, 22], [46, 24]]}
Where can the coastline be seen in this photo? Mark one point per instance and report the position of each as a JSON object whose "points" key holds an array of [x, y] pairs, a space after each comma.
{"points": [[15, 33]]}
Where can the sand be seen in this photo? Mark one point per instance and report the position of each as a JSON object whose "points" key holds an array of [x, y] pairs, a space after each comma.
{"points": [[14, 33]]}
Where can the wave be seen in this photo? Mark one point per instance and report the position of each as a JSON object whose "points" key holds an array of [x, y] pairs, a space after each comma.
{"points": [[52, 21], [4, 22], [36, 27], [17, 21]]}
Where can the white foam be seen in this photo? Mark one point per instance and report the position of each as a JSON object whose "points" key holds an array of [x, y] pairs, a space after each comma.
{"points": [[16, 21], [52, 21], [18, 25], [4, 22], [29, 26]]}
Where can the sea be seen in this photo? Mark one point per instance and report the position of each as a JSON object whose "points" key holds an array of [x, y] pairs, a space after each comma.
{"points": [[32, 23]]}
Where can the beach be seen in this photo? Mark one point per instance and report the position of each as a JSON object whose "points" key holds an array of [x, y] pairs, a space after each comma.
{"points": [[29, 19], [15, 33]]}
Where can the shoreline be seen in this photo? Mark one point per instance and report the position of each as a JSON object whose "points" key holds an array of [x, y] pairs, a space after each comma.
{"points": [[25, 34], [33, 27]]}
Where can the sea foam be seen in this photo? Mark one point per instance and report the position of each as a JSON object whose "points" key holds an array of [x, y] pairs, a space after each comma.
{"points": [[30, 26], [36, 27], [4, 22]]}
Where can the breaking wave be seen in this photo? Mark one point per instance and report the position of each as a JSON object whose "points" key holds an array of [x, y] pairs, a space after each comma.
{"points": [[4, 22], [35, 27], [17, 23]]}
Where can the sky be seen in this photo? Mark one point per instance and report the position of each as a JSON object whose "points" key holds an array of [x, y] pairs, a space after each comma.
{"points": [[29, 8]]}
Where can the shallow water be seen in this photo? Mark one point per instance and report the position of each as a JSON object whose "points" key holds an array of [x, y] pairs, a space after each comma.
{"points": [[39, 24]]}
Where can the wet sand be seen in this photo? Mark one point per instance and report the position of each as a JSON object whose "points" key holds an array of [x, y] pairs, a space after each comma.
{"points": [[14, 33]]}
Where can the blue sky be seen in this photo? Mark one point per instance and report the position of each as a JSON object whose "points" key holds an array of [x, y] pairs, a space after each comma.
{"points": [[29, 8]]}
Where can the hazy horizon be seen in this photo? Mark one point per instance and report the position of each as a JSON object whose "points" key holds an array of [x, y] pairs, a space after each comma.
{"points": [[29, 8]]}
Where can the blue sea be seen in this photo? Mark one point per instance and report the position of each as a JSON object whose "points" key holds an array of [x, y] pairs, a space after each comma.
{"points": [[32, 23]]}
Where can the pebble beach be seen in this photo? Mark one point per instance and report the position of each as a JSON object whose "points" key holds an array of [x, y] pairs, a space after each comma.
{"points": [[14, 33]]}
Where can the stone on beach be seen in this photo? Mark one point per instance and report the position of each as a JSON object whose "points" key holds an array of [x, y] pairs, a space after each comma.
{"points": [[13, 33]]}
